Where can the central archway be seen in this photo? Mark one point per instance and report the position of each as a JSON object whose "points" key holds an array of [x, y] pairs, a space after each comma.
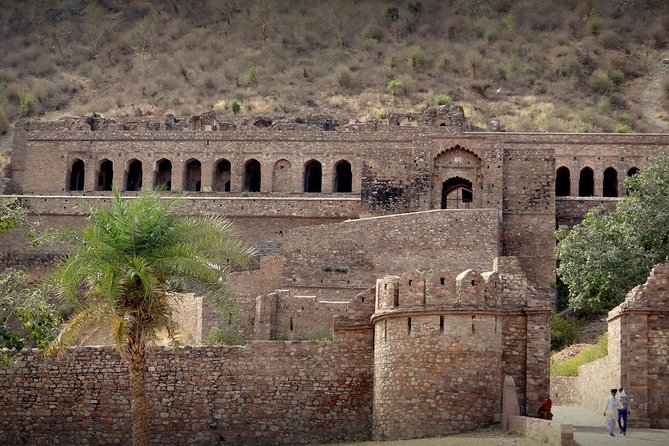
{"points": [[456, 193]]}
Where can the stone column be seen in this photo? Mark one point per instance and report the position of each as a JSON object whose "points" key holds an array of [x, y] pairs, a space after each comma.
{"points": [[634, 365], [538, 360], [206, 174]]}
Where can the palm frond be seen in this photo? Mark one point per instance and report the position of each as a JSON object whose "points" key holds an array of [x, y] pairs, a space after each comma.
{"points": [[85, 318]]}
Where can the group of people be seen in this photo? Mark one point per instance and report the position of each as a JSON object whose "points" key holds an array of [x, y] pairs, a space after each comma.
{"points": [[617, 408]]}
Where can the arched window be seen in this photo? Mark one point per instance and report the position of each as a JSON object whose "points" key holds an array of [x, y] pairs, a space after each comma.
{"points": [[77, 175], [562, 182], [633, 171], [252, 176], [193, 176], [105, 175], [163, 177], [586, 183], [282, 178], [313, 176], [134, 176], [456, 193], [343, 178], [222, 176], [610, 186]]}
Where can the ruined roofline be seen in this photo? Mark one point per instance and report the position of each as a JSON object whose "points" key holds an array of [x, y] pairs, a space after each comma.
{"points": [[451, 117]]}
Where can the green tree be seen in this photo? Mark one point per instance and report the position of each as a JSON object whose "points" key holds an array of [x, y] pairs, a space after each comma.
{"points": [[235, 106], [11, 214], [605, 256], [124, 265]]}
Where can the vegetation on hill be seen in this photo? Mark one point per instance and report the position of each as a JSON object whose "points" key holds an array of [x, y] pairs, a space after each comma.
{"points": [[531, 64]]}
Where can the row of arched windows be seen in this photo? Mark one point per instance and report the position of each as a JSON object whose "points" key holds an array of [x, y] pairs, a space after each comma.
{"points": [[586, 182], [282, 175]]}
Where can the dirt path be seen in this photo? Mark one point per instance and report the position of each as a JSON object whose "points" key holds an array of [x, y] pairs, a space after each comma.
{"points": [[655, 96]]}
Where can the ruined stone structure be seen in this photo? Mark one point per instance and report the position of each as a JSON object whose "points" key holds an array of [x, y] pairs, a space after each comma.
{"points": [[332, 207], [637, 358]]}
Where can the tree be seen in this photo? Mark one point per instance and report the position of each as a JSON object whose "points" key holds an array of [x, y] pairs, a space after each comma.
{"points": [[605, 256], [11, 214], [124, 265]]}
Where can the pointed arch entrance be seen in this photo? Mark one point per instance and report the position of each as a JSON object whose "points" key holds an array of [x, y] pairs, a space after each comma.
{"points": [[105, 175], [456, 193], [134, 176], [163, 178], [456, 179], [76, 175]]}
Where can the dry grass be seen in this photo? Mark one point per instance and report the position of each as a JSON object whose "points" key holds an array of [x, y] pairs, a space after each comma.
{"points": [[527, 63]]}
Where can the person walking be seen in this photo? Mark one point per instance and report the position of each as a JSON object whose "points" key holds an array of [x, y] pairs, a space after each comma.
{"points": [[623, 410], [611, 411]]}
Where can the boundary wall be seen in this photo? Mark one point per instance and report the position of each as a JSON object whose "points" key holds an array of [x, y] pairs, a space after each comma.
{"points": [[262, 393]]}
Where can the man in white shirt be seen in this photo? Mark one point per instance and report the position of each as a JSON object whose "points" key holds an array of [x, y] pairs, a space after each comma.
{"points": [[611, 411]]}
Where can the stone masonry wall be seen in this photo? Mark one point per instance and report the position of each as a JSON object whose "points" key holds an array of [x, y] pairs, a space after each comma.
{"points": [[320, 260], [263, 393]]}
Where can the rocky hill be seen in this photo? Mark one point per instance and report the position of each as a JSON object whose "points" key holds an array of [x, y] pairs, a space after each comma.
{"points": [[531, 65]]}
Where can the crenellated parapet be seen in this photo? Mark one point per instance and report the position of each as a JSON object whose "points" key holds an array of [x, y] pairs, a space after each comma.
{"points": [[439, 346]]}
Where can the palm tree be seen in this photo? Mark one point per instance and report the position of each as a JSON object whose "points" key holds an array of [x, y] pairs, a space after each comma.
{"points": [[126, 261]]}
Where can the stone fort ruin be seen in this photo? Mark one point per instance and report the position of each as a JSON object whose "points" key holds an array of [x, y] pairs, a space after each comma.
{"points": [[424, 249]]}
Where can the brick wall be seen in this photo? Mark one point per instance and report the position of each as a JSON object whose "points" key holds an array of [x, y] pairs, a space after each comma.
{"points": [[263, 393]]}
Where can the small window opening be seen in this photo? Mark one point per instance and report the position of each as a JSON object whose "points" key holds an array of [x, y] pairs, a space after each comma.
{"points": [[396, 297], [473, 282], [441, 324], [291, 324], [442, 280], [409, 326], [410, 282]]}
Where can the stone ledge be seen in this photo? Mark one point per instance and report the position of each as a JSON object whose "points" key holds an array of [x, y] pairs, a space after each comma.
{"points": [[550, 432]]}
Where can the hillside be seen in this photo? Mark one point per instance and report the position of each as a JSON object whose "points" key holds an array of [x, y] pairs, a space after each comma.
{"points": [[532, 65]]}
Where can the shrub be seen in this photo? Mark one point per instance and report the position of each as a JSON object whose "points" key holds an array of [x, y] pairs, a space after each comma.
{"points": [[397, 86], [249, 77], [600, 82], [594, 22], [345, 77], [563, 332], [373, 32], [604, 104], [417, 58], [623, 128], [569, 367], [220, 336], [317, 334], [444, 63], [2, 113], [444, 99], [235, 106], [26, 104], [617, 76]]}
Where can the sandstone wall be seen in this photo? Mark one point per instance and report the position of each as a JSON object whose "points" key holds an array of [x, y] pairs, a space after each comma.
{"points": [[354, 253], [263, 393]]}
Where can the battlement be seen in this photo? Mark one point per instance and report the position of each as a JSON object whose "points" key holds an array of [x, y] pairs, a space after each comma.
{"points": [[505, 286], [451, 118]]}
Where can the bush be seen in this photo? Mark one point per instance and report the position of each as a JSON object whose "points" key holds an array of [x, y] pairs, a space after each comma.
{"points": [[444, 99], [317, 334], [220, 336], [569, 367], [249, 77], [345, 77], [373, 32], [417, 58], [617, 76], [26, 104], [235, 106], [600, 82], [563, 332], [623, 128], [398, 86]]}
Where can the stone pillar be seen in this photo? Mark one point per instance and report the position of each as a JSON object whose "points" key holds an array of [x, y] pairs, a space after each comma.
{"points": [[265, 316], [265, 176], [509, 402], [178, 175], [634, 364], [206, 174], [538, 360], [327, 177], [118, 179]]}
